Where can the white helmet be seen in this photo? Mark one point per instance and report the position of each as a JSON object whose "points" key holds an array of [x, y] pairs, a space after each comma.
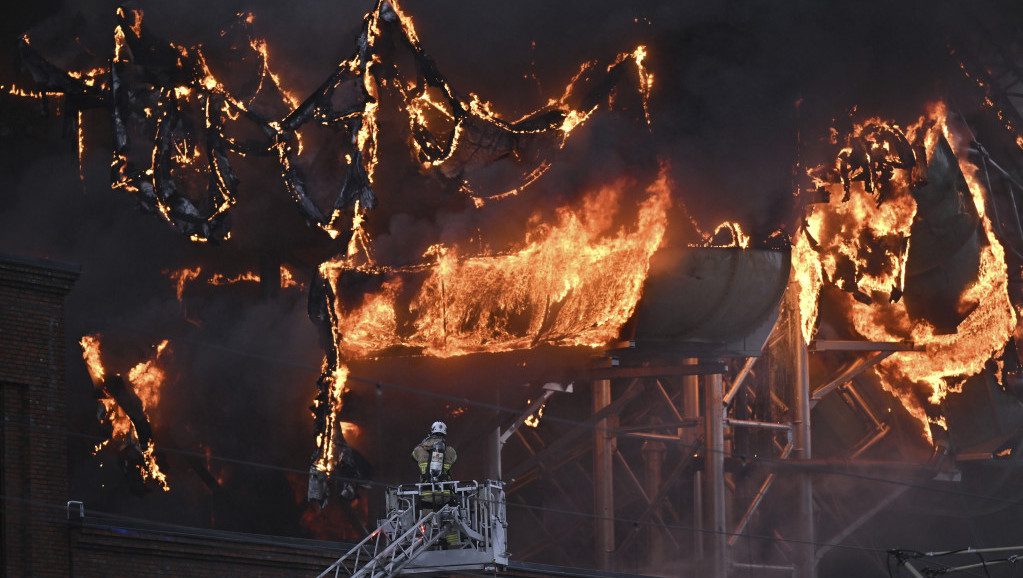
{"points": [[438, 428]]}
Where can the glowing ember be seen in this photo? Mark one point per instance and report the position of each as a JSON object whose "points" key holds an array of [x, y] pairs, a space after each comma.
{"points": [[184, 174], [81, 146], [221, 279], [859, 243], [288, 279], [182, 277], [260, 47], [534, 419]]}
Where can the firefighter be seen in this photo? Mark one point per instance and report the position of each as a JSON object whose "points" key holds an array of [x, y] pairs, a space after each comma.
{"points": [[435, 458], [434, 455]]}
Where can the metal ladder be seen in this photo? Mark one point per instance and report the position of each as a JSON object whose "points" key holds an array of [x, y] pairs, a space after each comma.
{"points": [[377, 557], [472, 523]]}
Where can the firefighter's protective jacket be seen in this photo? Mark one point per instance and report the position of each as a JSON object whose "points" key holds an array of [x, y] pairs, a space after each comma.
{"points": [[422, 456]]}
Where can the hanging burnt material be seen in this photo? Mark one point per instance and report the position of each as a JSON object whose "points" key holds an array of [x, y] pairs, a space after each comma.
{"points": [[167, 95], [879, 159], [132, 447], [115, 388], [925, 240], [932, 262], [79, 92], [872, 158], [164, 96], [178, 128], [450, 135], [122, 413]]}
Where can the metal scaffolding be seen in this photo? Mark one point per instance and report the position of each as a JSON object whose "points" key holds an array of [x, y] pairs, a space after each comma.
{"points": [[466, 534], [684, 457]]}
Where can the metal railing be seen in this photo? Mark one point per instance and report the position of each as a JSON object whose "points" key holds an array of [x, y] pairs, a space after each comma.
{"points": [[432, 526]]}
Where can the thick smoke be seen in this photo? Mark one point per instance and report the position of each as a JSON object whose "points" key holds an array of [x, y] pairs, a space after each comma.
{"points": [[726, 112]]}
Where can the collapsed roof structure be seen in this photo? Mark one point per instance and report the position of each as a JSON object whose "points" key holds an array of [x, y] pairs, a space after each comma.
{"points": [[905, 250]]}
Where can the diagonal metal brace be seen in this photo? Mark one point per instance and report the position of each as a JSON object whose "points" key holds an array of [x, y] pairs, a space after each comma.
{"points": [[847, 375], [549, 389]]}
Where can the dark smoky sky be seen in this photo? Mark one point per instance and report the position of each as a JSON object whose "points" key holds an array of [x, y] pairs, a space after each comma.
{"points": [[728, 76]]}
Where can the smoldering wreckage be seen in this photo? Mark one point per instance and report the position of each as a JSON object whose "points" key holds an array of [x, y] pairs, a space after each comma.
{"points": [[898, 272], [151, 87]]}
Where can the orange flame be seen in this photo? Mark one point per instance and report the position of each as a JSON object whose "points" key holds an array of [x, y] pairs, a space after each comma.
{"points": [[34, 94], [738, 238], [839, 227], [808, 275], [359, 242], [182, 277], [90, 352], [572, 283], [221, 279], [146, 379], [288, 278], [534, 418], [259, 45], [333, 432]]}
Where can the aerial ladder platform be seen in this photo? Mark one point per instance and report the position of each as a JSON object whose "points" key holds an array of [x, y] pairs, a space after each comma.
{"points": [[453, 526]]}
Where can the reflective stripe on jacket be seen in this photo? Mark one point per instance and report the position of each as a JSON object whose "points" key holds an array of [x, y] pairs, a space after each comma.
{"points": [[421, 454]]}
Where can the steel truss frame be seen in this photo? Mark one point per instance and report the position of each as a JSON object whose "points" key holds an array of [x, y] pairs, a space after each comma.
{"points": [[671, 458]]}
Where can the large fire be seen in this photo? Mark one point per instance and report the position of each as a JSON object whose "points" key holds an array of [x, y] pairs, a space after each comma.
{"points": [[196, 123], [146, 379], [859, 242], [574, 282]]}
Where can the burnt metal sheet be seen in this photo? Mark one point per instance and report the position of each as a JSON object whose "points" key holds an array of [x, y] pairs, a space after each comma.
{"points": [[945, 244], [710, 295]]}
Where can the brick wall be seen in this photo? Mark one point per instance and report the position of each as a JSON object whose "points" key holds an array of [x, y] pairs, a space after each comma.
{"points": [[119, 551], [34, 404], [36, 537]]}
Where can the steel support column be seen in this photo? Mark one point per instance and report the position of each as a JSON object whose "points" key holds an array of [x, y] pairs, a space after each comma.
{"points": [[494, 453], [603, 476], [714, 459], [653, 460], [805, 560], [691, 410]]}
